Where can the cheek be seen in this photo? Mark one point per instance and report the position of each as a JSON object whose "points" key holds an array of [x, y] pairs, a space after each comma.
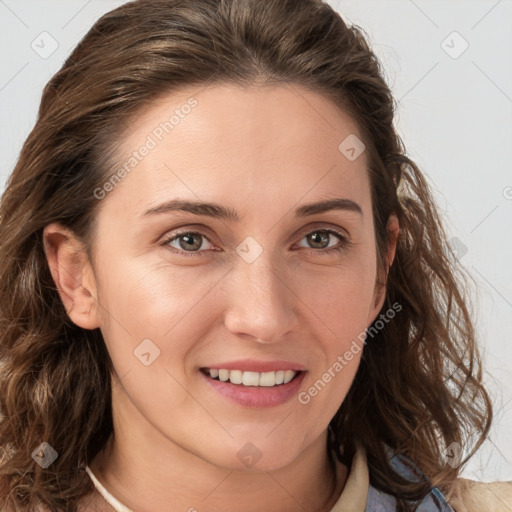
{"points": [[340, 305], [328, 385], [340, 297], [340, 313], [140, 301]]}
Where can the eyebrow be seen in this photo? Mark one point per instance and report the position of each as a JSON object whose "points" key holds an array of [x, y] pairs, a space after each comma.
{"points": [[216, 210]]}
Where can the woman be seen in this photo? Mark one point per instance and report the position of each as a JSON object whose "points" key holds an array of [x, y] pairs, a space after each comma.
{"points": [[224, 285]]}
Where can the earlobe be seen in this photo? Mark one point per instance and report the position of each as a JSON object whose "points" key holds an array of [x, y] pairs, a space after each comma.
{"points": [[72, 274]]}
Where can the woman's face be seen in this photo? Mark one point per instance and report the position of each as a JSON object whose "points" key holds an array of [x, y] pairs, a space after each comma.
{"points": [[266, 284]]}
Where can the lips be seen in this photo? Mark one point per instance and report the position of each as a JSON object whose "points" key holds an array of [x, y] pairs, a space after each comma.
{"points": [[253, 396], [254, 383]]}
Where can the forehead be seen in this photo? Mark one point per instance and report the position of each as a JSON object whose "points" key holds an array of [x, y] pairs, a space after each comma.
{"points": [[246, 143]]}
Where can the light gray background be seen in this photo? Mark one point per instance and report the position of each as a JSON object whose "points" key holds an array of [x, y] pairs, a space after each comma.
{"points": [[454, 115]]}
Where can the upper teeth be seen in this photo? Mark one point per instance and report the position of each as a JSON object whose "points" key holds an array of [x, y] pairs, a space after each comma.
{"points": [[253, 378]]}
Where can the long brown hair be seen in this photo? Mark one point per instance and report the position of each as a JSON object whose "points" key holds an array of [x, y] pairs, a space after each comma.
{"points": [[418, 388]]}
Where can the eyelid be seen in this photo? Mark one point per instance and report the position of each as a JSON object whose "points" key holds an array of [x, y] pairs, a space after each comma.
{"points": [[325, 227]]}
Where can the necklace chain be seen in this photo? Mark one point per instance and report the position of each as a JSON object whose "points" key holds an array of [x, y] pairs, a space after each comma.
{"points": [[113, 502]]}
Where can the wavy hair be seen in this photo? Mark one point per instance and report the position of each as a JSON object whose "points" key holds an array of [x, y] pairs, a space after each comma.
{"points": [[419, 384]]}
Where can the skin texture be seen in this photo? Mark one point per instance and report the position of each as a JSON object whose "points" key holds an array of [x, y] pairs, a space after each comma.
{"points": [[262, 152]]}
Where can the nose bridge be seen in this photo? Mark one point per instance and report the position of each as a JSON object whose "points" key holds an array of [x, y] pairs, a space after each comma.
{"points": [[261, 280], [261, 303]]}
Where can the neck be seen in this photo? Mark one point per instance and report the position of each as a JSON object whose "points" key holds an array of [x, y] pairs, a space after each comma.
{"points": [[161, 475]]}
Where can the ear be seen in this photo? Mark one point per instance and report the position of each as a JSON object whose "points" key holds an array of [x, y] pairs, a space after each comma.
{"points": [[393, 230], [73, 275]]}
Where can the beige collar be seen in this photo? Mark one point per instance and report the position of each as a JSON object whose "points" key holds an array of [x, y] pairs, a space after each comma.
{"points": [[355, 493]]}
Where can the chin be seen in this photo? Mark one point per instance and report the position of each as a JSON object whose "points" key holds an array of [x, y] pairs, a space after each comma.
{"points": [[254, 456]]}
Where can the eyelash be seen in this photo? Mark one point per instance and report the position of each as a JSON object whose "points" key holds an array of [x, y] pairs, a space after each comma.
{"points": [[345, 243]]}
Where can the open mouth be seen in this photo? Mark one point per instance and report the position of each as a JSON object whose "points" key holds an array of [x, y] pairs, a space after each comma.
{"points": [[252, 379]]}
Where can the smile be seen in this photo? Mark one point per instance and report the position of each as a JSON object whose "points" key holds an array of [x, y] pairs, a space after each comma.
{"points": [[251, 389]]}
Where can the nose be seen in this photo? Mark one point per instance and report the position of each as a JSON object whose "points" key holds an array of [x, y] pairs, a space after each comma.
{"points": [[261, 304]]}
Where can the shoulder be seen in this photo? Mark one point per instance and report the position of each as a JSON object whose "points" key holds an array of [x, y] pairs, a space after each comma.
{"points": [[472, 496], [464, 495]]}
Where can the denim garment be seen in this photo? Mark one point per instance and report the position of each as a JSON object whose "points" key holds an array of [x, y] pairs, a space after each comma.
{"points": [[434, 501]]}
